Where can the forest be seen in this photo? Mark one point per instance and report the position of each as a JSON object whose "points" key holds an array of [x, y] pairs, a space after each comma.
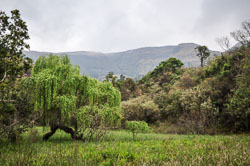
{"points": [[51, 114]]}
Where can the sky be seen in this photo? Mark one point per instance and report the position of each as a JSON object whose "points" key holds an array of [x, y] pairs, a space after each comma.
{"points": [[119, 25]]}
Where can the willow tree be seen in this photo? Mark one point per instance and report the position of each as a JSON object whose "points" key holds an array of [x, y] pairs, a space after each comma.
{"points": [[71, 102]]}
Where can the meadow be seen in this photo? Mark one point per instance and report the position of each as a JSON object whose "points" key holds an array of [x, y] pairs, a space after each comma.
{"points": [[119, 148]]}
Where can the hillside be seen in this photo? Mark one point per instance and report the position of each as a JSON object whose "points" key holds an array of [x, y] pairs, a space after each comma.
{"points": [[132, 63], [205, 100]]}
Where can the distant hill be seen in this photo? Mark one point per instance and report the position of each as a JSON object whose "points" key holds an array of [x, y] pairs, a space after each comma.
{"points": [[132, 63]]}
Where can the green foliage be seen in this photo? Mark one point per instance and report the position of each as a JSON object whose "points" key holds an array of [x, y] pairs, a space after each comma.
{"points": [[13, 100], [118, 148], [203, 54], [141, 108], [137, 127], [62, 94], [170, 105], [190, 78], [13, 33], [16, 115], [204, 100], [129, 89], [110, 77], [170, 65], [222, 96], [239, 103]]}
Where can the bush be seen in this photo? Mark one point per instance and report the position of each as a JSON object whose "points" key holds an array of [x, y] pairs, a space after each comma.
{"points": [[199, 112], [137, 127], [169, 105], [141, 108]]}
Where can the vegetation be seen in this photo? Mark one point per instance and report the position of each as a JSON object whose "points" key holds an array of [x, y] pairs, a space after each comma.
{"points": [[213, 99], [65, 98], [203, 54], [141, 108], [207, 100], [137, 127], [13, 36], [119, 148]]}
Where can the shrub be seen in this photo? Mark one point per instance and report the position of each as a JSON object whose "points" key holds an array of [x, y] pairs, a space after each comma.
{"points": [[169, 105], [141, 108], [137, 127], [199, 112]]}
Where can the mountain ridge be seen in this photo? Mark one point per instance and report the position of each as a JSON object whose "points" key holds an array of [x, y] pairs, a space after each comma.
{"points": [[133, 63]]}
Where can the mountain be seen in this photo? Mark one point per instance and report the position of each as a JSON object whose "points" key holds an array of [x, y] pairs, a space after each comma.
{"points": [[132, 63]]}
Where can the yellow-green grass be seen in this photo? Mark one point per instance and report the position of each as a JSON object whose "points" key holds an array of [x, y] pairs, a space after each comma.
{"points": [[118, 148]]}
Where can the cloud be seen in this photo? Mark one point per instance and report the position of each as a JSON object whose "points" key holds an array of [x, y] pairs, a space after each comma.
{"points": [[220, 17], [117, 25]]}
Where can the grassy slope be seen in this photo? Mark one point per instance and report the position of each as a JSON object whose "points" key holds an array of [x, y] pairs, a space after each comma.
{"points": [[118, 148]]}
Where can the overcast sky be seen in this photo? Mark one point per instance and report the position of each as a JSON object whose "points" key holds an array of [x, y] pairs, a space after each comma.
{"points": [[118, 25]]}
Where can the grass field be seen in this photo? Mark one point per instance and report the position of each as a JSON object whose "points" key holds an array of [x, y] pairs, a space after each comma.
{"points": [[118, 148]]}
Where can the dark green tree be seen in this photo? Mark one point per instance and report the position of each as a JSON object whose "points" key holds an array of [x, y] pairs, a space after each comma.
{"points": [[13, 36], [110, 77], [170, 65], [203, 53], [127, 88], [122, 77], [13, 33]]}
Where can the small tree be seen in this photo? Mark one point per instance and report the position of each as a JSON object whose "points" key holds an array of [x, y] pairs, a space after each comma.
{"points": [[224, 43], [110, 77], [203, 54], [137, 127]]}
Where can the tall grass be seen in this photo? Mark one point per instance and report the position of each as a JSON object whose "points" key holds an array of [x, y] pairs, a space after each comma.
{"points": [[118, 148]]}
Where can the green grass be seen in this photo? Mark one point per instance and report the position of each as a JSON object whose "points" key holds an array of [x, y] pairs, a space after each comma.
{"points": [[118, 148]]}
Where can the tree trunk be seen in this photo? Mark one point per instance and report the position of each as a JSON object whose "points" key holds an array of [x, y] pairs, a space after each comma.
{"points": [[64, 128], [49, 134]]}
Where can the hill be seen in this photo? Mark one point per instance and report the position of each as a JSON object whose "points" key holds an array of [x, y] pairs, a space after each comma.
{"points": [[205, 100], [132, 63]]}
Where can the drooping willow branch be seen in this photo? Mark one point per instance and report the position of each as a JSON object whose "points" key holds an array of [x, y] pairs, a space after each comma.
{"points": [[62, 94]]}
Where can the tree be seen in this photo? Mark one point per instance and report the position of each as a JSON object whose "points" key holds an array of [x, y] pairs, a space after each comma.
{"points": [[127, 88], [13, 36], [170, 65], [110, 77], [203, 54], [137, 127], [122, 77], [224, 43], [71, 102], [242, 35], [13, 33]]}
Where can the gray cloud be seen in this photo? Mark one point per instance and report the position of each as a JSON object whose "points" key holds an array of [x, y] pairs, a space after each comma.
{"points": [[219, 18], [116, 25]]}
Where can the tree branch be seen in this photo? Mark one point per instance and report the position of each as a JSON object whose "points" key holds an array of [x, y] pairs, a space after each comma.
{"points": [[4, 77]]}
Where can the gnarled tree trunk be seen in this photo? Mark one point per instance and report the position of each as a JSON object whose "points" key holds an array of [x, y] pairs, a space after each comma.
{"points": [[69, 130]]}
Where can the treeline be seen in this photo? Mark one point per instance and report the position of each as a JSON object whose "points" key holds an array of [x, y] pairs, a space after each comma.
{"points": [[210, 99]]}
